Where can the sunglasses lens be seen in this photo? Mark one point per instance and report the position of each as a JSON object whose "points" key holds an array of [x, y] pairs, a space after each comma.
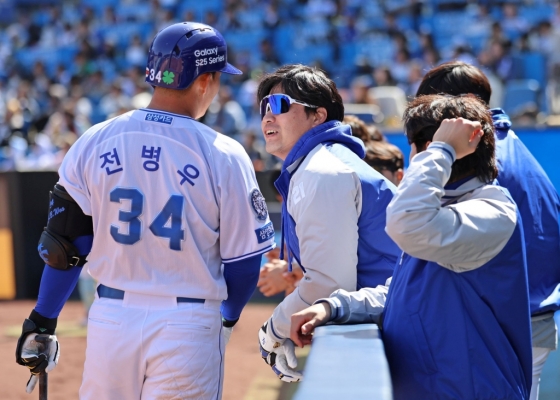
{"points": [[284, 104], [276, 103]]}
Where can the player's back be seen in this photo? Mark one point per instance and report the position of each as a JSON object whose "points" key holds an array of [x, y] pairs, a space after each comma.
{"points": [[152, 183], [539, 205]]}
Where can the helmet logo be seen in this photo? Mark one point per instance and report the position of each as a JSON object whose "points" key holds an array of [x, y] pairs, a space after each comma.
{"points": [[168, 77]]}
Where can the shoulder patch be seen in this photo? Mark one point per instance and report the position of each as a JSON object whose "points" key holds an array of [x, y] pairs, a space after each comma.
{"points": [[259, 205], [265, 233]]}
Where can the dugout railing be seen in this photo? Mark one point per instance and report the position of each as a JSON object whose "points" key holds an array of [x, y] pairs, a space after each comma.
{"points": [[346, 362]]}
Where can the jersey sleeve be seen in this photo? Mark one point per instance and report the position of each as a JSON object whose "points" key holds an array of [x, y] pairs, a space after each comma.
{"points": [[245, 226], [71, 175]]}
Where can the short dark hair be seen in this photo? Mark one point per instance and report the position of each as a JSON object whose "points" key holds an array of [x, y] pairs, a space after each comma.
{"points": [[308, 84], [455, 78], [359, 127], [384, 156], [424, 115]]}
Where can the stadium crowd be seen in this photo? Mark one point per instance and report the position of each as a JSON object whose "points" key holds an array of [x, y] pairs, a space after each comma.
{"points": [[67, 65]]}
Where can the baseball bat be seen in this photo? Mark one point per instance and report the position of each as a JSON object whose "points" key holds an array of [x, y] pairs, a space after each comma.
{"points": [[43, 386], [43, 343]]}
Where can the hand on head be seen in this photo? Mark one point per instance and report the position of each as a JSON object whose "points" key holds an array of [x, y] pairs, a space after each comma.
{"points": [[460, 133]]}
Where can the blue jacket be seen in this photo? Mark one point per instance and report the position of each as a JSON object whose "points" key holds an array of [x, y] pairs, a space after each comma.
{"points": [[539, 205], [440, 325], [377, 253]]}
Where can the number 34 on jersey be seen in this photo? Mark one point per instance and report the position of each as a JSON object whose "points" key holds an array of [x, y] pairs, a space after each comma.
{"points": [[168, 223]]}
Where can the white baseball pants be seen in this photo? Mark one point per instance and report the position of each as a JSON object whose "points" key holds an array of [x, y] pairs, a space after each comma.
{"points": [[151, 347]]}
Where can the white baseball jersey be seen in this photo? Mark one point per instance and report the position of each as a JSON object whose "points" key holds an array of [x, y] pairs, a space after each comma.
{"points": [[170, 199]]}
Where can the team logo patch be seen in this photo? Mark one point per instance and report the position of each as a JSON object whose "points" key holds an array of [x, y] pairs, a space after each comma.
{"points": [[265, 233], [259, 205], [43, 253]]}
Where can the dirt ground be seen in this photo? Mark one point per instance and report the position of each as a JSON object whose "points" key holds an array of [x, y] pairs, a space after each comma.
{"points": [[246, 375]]}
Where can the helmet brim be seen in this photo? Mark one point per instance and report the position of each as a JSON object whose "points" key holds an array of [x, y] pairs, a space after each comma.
{"points": [[230, 69]]}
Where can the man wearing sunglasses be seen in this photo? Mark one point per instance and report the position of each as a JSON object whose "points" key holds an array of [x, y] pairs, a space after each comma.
{"points": [[333, 213]]}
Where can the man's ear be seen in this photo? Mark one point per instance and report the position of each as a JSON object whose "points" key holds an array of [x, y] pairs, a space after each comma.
{"points": [[319, 116], [425, 146], [202, 82], [399, 175]]}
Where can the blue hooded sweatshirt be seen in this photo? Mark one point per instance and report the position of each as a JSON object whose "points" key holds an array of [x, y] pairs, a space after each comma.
{"points": [[377, 253]]}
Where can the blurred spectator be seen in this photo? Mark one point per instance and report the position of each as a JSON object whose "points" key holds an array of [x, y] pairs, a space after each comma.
{"points": [[114, 101], [553, 90], [269, 59], [400, 68], [387, 159], [225, 115], [513, 24], [383, 76], [359, 90], [255, 150], [415, 76], [136, 52]]}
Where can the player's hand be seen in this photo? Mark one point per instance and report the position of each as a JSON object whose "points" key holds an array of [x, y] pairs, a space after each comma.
{"points": [[293, 277], [280, 355], [271, 279], [305, 321], [37, 351], [462, 134]]}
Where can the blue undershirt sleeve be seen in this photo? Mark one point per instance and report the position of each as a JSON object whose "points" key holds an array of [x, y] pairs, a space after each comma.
{"points": [[241, 280], [57, 285]]}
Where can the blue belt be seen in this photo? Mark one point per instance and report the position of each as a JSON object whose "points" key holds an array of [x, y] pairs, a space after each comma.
{"points": [[110, 293]]}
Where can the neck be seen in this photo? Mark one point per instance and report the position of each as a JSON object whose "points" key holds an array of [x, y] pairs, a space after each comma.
{"points": [[176, 102], [455, 178]]}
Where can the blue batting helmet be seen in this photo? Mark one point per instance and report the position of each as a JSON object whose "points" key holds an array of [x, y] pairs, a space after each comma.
{"points": [[183, 51]]}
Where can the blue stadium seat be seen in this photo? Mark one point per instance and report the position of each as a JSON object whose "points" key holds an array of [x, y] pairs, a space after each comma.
{"points": [[520, 95], [536, 13], [244, 40], [378, 49], [98, 5], [535, 67], [199, 8], [121, 34], [134, 11]]}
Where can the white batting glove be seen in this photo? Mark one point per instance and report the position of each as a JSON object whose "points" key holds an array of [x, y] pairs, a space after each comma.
{"points": [[226, 334], [279, 354], [38, 350]]}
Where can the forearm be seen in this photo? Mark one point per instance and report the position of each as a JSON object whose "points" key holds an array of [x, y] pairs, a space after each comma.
{"points": [[365, 305], [57, 285], [313, 286], [241, 279]]}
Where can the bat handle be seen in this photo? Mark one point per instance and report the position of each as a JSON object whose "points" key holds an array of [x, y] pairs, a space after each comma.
{"points": [[42, 343], [43, 386]]}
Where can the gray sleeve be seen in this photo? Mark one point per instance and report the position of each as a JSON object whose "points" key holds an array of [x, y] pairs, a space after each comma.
{"points": [[365, 305], [460, 237]]}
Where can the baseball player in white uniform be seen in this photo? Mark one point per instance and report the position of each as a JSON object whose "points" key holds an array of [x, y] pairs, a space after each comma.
{"points": [[170, 217]]}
